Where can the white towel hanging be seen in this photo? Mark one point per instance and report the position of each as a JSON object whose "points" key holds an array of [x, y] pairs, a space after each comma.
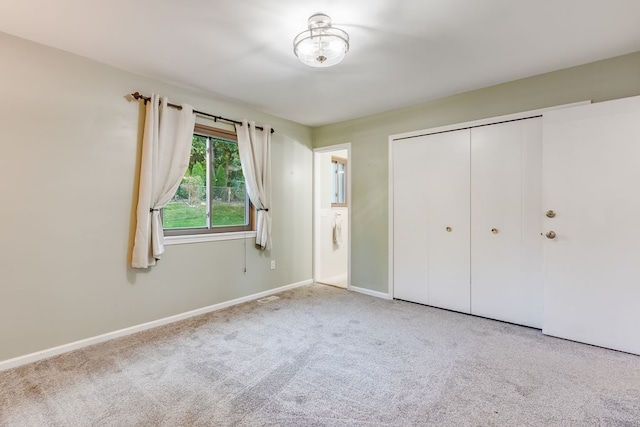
{"points": [[337, 230]]}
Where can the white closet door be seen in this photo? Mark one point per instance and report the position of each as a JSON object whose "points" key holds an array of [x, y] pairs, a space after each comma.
{"points": [[501, 155], [531, 298], [410, 233], [591, 161], [447, 184], [431, 220]]}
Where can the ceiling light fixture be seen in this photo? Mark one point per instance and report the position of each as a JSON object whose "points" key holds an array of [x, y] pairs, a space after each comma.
{"points": [[321, 45]]}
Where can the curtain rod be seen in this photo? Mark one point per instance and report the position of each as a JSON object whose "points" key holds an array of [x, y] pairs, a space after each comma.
{"points": [[137, 95]]}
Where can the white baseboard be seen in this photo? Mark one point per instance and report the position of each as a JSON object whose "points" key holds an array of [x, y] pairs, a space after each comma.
{"points": [[370, 292], [54, 351]]}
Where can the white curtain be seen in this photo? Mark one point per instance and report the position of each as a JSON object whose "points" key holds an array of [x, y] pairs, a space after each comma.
{"points": [[254, 146], [166, 148]]}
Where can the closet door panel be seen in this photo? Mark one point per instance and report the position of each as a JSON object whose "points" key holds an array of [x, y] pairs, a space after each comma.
{"points": [[531, 296], [591, 157], [496, 212], [410, 231], [447, 184]]}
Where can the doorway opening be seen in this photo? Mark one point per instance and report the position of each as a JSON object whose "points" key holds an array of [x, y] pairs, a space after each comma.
{"points": [[331, 215]]}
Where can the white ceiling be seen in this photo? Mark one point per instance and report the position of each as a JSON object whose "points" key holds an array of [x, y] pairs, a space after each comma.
{"points": [[403, 52]]}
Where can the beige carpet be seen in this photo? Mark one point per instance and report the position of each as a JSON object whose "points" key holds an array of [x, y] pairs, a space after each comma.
{"points": [[322, 356]]}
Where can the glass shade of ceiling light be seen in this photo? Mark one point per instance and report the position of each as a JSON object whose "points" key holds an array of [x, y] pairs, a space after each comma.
{"points": [[321, 45]]}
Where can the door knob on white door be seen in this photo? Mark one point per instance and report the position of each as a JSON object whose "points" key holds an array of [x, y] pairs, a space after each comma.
{"points": [[551, 234]]}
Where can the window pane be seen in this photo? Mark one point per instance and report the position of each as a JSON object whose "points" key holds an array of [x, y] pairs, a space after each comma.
{"points": [[212, 196], [188, 208], [229, 204], [339, 182]]}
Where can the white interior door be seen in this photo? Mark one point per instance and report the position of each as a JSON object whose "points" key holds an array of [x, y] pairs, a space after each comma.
{"points": [[591, 158], [506, 199], [496, 213], [331, 262], [431, 220], [447, 185], [410, 232], [530, 307]]}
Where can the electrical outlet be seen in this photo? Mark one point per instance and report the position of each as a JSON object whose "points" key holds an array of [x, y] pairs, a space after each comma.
{"points": [[273, 264]]}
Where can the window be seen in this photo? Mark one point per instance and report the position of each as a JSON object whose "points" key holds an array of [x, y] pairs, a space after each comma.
{"points": [[212, 197], [339, 180]]}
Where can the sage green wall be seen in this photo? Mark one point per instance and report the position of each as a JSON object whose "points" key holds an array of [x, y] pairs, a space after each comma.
{"points": [[600, 81], [69, 151]]}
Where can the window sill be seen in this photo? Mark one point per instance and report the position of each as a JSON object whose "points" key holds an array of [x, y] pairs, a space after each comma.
{"points": [[210, 237]]}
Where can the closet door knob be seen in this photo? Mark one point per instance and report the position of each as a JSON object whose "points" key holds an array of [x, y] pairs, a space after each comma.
{"points": [[448, 229], [551, 234], [494, 230], [550, 214]]}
